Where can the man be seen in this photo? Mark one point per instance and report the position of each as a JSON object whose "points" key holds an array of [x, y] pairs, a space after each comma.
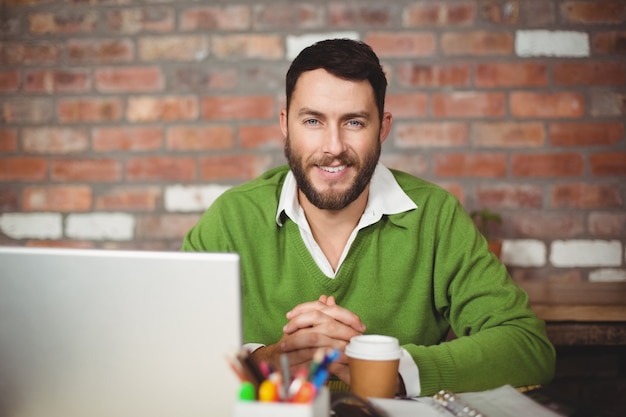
{"points": [[337, 245]]}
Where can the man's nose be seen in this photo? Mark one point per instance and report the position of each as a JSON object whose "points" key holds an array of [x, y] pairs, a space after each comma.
{"points": [[334, 143]]}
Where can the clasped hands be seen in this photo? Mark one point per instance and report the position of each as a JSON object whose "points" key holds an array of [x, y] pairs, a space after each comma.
{"points": [[314, 325]]}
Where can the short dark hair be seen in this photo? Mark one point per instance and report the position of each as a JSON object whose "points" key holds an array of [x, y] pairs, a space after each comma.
{"points": [[344, 58]]}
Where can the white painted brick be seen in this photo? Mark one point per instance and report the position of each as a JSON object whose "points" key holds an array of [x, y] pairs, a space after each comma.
{"points": [[551, 43], [295, 44], [100, 226], [191, 198], [607, 275], [32, 225], [523, 252], [576, 253]]}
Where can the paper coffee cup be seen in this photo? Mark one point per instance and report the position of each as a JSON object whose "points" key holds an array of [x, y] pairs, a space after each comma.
{"points": [[374, 361]]}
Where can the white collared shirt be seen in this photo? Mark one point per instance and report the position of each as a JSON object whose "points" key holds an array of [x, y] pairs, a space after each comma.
{"points": [[385, 198]]}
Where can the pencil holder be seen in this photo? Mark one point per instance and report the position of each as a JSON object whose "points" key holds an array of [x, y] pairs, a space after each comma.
{"points": [[319, 407]]}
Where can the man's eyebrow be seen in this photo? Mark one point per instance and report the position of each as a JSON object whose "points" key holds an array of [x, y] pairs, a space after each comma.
{"points": [[357, 115], [305, 111]]}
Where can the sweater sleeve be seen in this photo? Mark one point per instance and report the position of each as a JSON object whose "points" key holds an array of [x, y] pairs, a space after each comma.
{"points": [[209, 234], [499, 339]]}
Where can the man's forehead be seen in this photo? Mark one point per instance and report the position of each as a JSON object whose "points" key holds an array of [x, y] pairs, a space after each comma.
{"points": [[320, 91]]}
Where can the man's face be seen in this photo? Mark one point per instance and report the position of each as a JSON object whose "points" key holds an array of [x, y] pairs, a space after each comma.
{"points": [[333, 138]]}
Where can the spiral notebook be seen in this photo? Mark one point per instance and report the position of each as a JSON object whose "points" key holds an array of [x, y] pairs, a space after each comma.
{"points": [[504, 401]]}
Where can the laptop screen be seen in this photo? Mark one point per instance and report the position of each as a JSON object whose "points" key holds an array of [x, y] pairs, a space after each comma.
{"points": [[117, 333]]}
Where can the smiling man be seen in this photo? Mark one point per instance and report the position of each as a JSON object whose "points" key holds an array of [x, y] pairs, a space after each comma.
{"points": [[335, 245], [333, 134]]}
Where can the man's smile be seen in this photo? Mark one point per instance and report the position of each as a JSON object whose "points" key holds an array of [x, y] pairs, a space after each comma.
{"points": [[332, 170]]}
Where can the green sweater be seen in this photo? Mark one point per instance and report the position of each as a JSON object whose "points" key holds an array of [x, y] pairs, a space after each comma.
{"points": [[411, 275]]}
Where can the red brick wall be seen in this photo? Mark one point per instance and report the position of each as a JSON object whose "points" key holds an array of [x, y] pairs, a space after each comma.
{"points": [[108, 105]]}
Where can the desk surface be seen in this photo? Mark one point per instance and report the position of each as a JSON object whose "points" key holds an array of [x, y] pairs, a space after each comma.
{"points": [[587, 333], [582, 293], [581, 313]]}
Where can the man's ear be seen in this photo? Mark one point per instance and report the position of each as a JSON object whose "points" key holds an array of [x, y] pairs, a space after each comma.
{"points": [[385, 126], [283, 122]]}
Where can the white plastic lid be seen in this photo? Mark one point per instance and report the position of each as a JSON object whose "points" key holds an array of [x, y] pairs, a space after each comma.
{"points": [[374, 347]]}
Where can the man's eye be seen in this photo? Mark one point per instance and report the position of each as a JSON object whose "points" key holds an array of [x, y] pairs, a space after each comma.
{"points": [[312, 122], [355, 123]]}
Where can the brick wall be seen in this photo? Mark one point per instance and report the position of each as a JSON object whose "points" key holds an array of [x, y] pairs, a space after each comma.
{"points": [[122, 120]]}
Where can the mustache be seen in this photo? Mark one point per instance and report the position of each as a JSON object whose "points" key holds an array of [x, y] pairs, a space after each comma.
{"points": [[343, 159]]}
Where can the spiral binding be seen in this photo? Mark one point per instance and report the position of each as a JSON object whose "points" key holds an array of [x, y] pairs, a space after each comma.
{"points": [[451, 403]]}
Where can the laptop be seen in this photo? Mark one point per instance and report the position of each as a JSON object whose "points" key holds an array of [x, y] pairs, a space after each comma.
{"points": [[103, 333]]}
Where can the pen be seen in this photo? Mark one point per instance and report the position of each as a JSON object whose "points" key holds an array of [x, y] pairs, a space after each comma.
{"points": [[320, 378], [306, 393], [321, 374], [236, 369], [331, 357], [328, 358], [268, 391], [265, 369], [247, 392], [299, 379], [253, 371], [318, 358], [284, 367]]}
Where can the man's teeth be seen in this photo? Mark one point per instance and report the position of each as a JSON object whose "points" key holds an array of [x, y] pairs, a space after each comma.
{"points": [[333, 169]]}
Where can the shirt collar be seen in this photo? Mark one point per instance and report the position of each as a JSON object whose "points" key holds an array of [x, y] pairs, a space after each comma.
{"points": [[385, 197]]}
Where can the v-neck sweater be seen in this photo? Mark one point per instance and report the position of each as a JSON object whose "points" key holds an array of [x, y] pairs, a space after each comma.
{"points": [[412, 275]]}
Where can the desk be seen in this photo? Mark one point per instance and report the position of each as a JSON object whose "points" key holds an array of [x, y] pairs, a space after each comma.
{"points": [[586, 322], [581, 313]]}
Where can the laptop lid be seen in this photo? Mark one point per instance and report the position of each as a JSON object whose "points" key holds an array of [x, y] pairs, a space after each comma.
{"points": [[117, 333]]}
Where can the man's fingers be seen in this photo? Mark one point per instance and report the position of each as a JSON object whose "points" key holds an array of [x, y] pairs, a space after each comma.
{"points": [[299, 349], [319, 323], [307, 307], [312, 339], [312, 309]]}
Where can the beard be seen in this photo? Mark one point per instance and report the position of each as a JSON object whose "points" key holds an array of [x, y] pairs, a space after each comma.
{"points": [[333, 199]]}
